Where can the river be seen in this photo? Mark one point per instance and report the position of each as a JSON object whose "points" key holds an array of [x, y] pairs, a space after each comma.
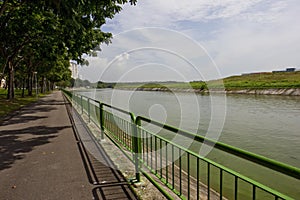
{"points": [[268, 125]]}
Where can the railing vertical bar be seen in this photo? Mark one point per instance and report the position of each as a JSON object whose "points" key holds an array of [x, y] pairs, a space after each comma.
{"points": [[151, 146], [145, 151], [81, 105], [123, 129], [130, 126], [89, 110], [161, 155], [235, 187], [116, 128], [188, 171], [147, 147], [208, 181], [167, 161], [137, 149], [254, 192], [180, 168], [198, 181], [173, 173], [221, 184], [143, 143], [128, 135], [155, 143], [129, 142], [99, 114], [122, 132], [101, 120]]}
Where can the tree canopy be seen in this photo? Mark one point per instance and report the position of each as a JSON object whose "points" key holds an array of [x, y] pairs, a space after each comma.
{"points": [[41, 36]]}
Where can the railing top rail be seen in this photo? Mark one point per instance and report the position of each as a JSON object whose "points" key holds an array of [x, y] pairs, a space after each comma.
{"points": [[132, 116], [270, 163], [95, 100]]}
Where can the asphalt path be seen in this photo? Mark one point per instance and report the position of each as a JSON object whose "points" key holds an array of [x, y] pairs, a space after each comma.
{"points": [[39, 154]]}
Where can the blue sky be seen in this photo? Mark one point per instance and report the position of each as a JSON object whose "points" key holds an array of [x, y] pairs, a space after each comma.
{"points": [[198, 40]]}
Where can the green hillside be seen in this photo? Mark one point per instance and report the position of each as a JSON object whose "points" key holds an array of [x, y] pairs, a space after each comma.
{"points": [[264, 81]]}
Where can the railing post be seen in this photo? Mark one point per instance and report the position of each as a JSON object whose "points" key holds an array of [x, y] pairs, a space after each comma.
{"points": [[101, 120], [89, 110], [75, 99], [136, 145], [81, 102]]}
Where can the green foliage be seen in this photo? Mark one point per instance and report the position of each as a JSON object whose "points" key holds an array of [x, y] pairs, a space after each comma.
{"points": [[101, 84], [199, 85], [42, 36], [264, 81]]}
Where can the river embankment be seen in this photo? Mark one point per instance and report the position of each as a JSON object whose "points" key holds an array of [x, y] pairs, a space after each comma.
{"points": [[270, 91], [287, 91]]}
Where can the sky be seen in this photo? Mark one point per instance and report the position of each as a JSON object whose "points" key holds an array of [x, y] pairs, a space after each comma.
{"points": [[197, 40]]}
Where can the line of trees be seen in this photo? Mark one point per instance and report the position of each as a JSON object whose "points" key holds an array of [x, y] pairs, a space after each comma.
{"points": [[40, 37]]}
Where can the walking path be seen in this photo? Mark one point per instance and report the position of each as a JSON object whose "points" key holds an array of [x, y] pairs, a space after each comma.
{"points": [[42, 158]]}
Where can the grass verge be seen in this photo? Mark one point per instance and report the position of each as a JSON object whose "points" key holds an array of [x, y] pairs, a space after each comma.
{"points": [[7, 107]]}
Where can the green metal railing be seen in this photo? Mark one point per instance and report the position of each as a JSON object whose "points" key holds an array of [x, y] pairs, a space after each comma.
{"points": [[186, 173]]}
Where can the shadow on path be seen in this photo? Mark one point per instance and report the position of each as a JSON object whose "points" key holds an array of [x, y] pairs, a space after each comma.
{"points": [[102, 173], [22, 119], [14, 144]]}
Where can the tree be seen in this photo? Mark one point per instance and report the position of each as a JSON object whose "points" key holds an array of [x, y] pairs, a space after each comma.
{"points": [[68, 27]]}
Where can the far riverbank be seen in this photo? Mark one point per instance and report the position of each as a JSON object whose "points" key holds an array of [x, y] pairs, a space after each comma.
{"points": [[264, 83], [286, 91]]}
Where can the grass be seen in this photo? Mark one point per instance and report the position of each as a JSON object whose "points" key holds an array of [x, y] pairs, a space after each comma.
{"points": [[7, 107], [279, 80]]}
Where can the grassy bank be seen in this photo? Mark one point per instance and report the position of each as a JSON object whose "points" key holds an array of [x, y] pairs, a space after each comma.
{"points": [[10, 106], [279, 80]]}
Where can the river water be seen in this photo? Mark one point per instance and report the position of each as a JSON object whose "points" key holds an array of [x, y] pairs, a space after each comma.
{"points": [[268, 125]]}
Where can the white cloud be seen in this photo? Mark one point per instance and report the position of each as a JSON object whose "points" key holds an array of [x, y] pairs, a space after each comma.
{"points": [[168, 12], [93, 71], [240, 35], [250, 46]]}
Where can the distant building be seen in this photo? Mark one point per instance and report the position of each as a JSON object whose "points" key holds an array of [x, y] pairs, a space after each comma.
{"points": [[74, 70], [289, 69]]}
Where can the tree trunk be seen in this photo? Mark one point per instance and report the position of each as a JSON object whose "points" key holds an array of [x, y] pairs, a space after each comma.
{"points": [[29, 84], [48, 86], [43, 90], [11, 92], [23, 87], [52, 85]]}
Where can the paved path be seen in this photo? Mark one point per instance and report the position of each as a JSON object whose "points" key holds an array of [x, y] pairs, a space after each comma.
{"points": [[40, 157]]}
